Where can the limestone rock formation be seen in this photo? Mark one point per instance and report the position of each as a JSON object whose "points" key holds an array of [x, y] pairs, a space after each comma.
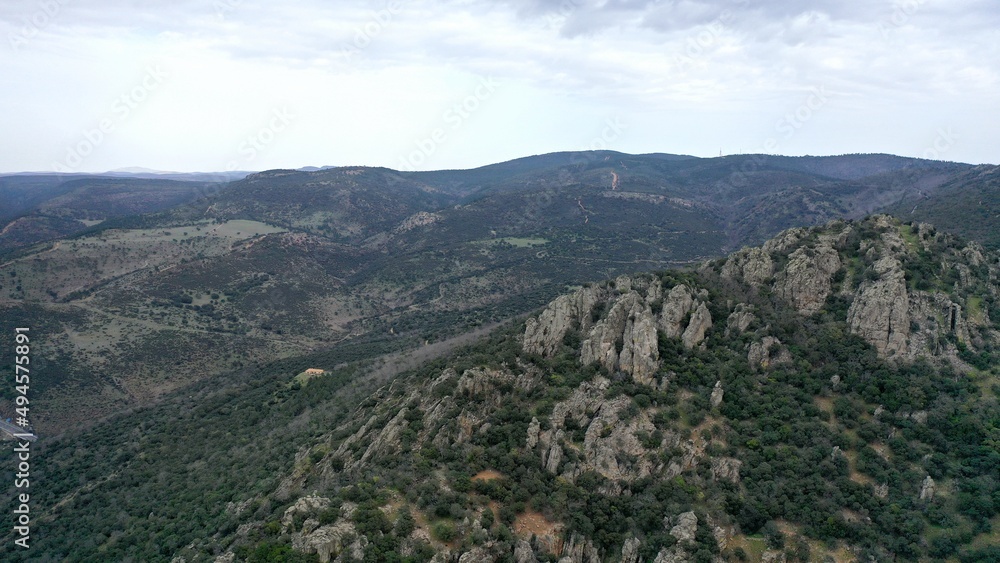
{"points": [[630, 551], [752, 266], [726, 469], [807, 279], [544, 334], [676, 306], [767, 353], [701, 321], [879, 312], [685, 527], [927, 489], [739, 320], [717, 394], [523, 553]]}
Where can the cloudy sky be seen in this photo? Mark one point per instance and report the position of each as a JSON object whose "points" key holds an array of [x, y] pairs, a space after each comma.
{"points": [[185, 85]]}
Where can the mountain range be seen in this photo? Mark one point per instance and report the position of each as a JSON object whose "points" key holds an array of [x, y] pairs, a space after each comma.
{"points": [[581, 355]]}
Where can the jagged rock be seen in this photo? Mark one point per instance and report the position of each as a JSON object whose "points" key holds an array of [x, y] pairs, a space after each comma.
{"points": [[678, 303], [675, 555], [630, 551], [807, 279], [701, 321], [479, 382], [477, 555], [879, 312], [553, 456], [771, 556], [306, 505], [717, 394], [580, 550], [739, 320], [533, 429], [328, 541], [686, 527], [882, 490], [726, 469], [751, 265], [767, 353], [919, 417], [227, 557], [523, 553], [544, 334], [640, 354], [927, 489], [609, 441]]}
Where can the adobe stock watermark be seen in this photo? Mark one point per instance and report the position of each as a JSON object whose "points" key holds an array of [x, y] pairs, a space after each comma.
{"points": [[364, 35], [787, 126], [902, 11], [456, 116], [123, 107], [33, 24], [699, 43], [258, 142], [226, 7], [943, 141]]}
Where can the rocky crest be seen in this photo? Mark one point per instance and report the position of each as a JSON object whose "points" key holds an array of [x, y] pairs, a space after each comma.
{"points": [[625, 337]]}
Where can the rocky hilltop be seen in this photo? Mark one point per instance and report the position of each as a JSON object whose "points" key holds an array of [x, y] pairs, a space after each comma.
{"points": [[830, 395]]}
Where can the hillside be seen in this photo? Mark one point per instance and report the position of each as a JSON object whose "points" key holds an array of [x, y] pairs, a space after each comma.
{"points": [[287, 262], [831, 394]]}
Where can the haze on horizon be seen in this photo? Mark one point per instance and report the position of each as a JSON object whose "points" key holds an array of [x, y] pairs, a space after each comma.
{"points": [[212, 85]]}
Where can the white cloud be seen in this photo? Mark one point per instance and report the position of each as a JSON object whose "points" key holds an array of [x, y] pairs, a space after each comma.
{"points": [[367, 80]]}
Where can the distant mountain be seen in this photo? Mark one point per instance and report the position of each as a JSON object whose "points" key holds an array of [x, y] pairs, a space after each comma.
{"points": [[283, 262]]}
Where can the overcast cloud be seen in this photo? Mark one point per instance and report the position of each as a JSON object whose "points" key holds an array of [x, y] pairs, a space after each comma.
{"points": [[246, 84]]}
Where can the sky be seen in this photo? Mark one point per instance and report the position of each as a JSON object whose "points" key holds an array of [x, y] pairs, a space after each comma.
{"points": [[212, 85]]}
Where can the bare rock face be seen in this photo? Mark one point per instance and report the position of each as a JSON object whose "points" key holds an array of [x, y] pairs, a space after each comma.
{"points": [[329, 541], [609, 440], [927, 489], [523, 553], [717, 394], [767, 353], [630, 551], [685, 527], [771, 556], [479, 382], [726, 469], [305, 505], [580, 550], [753, 266], [674, 555], [544, 334], [739, 320], [640, 354], [533, 429], [676, 306], [701, 321], [879, 312], [807, 279]]}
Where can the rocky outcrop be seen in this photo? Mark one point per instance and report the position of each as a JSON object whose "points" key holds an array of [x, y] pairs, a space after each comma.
{"points": [[678, 303], [674, 555], [771, 556], [752, 266], [330, 541], [630, 550], [726, 469], [523, 553], [879, 312], [717, 394], [544, 334], [580, 550], [701, 321], [685, 526], [624, 338], [769, 352], [927, 489], [307, 505], [806, 280], [739, 320], [533, 430]]}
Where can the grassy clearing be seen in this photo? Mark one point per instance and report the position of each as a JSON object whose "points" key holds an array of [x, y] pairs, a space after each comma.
{"points": [[912, 242], [516, 242]]}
